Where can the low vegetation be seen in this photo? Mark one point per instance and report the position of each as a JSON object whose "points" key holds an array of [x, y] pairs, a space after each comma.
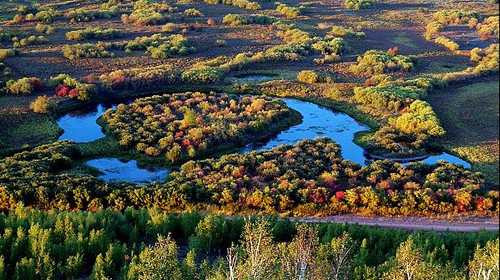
{"points": [[358, 4], [379, 62], [93, 33], [86, 50]]}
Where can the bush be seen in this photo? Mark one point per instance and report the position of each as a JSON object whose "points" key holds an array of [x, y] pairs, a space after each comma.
{"points": [[311, 77], [80, 15], [43, 105], [5, 53], [379, 62], [169, 27], [86, 50], [358, 4], [202, 76], [46, 15], [420, 119], [220, 43], [44, 28], [308, 76], [236, 19], [67, 86], [287, 11], [434, 27], [193, 13], [24, 85], [244, 4], [450, 44], [454, 16], [330, 46], [146, 13], [348, 32], [161, 46], [141, 77], [93, 33], [489, 27], [31, 40]]}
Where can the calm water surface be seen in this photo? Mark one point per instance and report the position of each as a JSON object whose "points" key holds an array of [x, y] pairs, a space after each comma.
{"points": [[318, 121]]}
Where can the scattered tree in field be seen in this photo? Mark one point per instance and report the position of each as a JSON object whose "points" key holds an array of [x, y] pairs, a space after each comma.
{"points": [[450, 44], [311, 77], [88, 50], [24, 85], [93, 33], [193, 13]]}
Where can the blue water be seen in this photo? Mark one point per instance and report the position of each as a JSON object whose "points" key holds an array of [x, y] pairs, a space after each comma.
{"points": [[81, 126], [446, 157], [318, 121], [118, 170]]}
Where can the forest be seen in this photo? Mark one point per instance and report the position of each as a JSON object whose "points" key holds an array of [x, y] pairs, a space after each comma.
{"points": [[249, 139], [150, 244]]}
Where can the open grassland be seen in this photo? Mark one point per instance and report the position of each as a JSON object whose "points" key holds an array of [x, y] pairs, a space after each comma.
{"points": [[470, 116]]}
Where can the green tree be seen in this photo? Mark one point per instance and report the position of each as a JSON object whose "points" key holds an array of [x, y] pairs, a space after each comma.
{"points": [[160, 261], [409, 263], [297, 257], [484, 265], [335, 259], [99, 270], [259, 251]]}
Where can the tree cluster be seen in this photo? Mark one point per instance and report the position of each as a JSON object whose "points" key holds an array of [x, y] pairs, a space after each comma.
{"points": [[86, 50], [244, 4], [82, 15], [147, 244], [148, 13], [379, 62], [310, 178], [238, 19], [96, 33], [191, 124]]}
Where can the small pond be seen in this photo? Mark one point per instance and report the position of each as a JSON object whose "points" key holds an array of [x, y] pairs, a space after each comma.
{"points": [[119, 170], [81, 126]]}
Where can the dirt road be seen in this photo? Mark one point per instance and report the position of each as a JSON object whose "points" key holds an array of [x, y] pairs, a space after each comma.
{"points": [[469, 224]]}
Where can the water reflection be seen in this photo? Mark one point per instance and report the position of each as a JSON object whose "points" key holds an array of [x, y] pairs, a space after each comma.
{"points": [[81, 126], [119, 170]]}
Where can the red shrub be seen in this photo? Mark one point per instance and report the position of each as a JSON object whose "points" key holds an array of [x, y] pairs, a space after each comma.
{"points": [[62, 90], [340, 195], [73, 93]]}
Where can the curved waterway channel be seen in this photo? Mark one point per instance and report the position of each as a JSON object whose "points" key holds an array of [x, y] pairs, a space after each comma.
{"points": [[318, 121]]}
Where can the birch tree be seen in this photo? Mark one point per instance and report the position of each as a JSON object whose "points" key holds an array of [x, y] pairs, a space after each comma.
{"points": [[335, 259], [484, 265], [298, 256]]}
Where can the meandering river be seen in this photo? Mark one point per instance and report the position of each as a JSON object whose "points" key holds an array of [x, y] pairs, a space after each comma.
{"points": [[318, 121]]}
